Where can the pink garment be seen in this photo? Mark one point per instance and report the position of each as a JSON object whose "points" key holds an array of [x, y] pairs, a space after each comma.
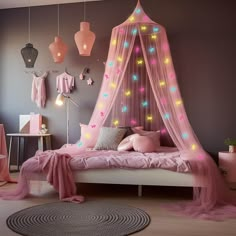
{"points": [[57, 168], [141, 43], [4, 172], [38, 92], [65, 83]]}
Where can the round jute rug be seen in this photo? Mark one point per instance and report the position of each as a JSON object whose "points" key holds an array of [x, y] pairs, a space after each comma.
{"points": [[91, 218]]}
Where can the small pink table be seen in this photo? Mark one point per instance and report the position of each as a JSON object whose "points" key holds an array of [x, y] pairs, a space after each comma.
{"points": [[4, 172]]}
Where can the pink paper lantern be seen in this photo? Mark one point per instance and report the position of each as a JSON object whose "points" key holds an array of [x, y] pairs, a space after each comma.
{"points": [[58, 50], [84, 39]]}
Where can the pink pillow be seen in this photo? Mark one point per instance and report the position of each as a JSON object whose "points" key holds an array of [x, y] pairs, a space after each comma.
{"points": [[144, 144], [127, 143], [154, 135], [89, 136]]}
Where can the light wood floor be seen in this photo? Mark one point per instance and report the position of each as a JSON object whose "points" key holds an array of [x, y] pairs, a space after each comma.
{"points": [[163, 222]]}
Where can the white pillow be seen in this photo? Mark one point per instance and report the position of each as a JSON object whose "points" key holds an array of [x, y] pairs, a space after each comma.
{"points": [[127, 143]]}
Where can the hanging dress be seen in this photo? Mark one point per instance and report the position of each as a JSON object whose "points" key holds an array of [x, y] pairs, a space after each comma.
{"points": [[65, 83], [38, 92]]}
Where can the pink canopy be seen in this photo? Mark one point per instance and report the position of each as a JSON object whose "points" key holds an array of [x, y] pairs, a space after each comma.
{"points": [[140, 88]]}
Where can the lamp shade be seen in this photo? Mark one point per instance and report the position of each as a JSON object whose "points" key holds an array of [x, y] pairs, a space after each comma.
{"points": [[58, 50], [29, 54], [60, 99], [84, 39]]}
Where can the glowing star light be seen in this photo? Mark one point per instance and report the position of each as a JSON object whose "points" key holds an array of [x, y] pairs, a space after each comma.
{"points": [[151, 49], [149, 118], [113, 85], [167, 60], [120, 59], [116, 122], [80, 144], [126, 44], [155, 29], [178, 102], [173, 89], [114, 42], [194, 147], [139, 61], [134, 77], [111, 63], [124, 109], [100, 105], [131, 19], [138, 11], [167, 116], [154, 36], [184, 135], [162, 83], [145, 103], [137, 49], [127, 93], [133, 122], [142, 89], [87, 135], [105, 95], [134, 31], [163, 131], [143, 27]]}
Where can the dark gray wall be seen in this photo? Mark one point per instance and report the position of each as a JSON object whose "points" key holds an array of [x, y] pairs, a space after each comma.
{"points": [[202, 40]]}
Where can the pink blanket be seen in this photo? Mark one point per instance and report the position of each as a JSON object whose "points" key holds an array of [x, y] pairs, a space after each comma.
{"points": [[56, 167]]}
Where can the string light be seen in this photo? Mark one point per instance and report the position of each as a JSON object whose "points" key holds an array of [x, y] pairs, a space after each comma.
{"points": [[80, 144], [138, 11], [162, 83], [124, 109], [114, 41], [105, 95], [173, 89], [141, 89], [143, 27], [167, 116], [155, 29], [178, 102], [145, 103], [194, 147], [134, 31], [87, 135], [111, 63], [127, 93], [120, 59], [137, 49], [100, 105], [151, 49], [132, 18], [139, 61], [126, 44], [167, 60], [133, 122], [134, 77], [184, 135], [113, 85], [149, 118], [154, 36], [163, 131], [116, 122]]}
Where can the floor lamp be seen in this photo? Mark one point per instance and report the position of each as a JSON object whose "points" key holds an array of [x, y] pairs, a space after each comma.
{"points": [[60, 100]]}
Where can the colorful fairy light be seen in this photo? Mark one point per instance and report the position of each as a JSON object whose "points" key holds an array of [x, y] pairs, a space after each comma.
{"points": [[162, 83], [151, 49], [149, 118], [145, 104], [127, 93], [154, 36], [133, 122], [153, 61], [143, 27], [139, 61], [178, 102], [100, 105], [87, 135], [134, 77], [163, 101], [80, 144], [113, 85], [138, 11], [105, 95], [111, 63], [167, 60], [120, 59], [116, 122], [137, 49], [163, 131], [114, 41], [184, 135], [124, 109], [141, 89], [173, 89], [132, 18], [126, 44], [134, 31], [200, 156], [155, 29], [167, 116], [181, 117], [194, 147]]}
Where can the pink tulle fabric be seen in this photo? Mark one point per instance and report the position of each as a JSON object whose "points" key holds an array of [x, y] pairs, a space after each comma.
{"points": [[4, 172], [140, 41]]}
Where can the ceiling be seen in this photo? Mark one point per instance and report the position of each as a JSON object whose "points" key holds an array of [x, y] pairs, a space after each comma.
{"points": [[4, 4]]}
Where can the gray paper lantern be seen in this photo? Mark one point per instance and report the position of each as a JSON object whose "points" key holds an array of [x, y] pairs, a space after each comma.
{"points": [[29, 54]]}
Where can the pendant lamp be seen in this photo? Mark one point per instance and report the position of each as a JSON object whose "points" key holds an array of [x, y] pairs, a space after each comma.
{"points": [[58, 48], [84, 38], [29, 53]]}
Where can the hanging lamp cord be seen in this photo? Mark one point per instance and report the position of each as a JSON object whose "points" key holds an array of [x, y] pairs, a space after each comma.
{"points": [[58, 20], [84, 10], [29, 21]]}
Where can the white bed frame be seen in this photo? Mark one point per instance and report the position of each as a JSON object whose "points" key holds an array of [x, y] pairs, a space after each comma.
{"points": [[139, 177]]}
